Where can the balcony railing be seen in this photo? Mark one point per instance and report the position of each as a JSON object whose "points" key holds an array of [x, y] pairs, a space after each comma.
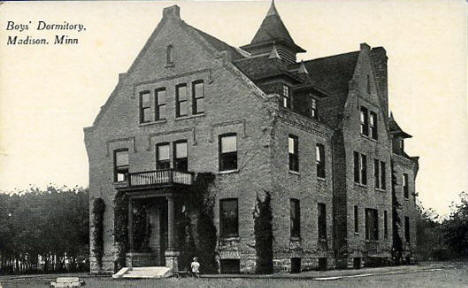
{"points": [[159, 177]]}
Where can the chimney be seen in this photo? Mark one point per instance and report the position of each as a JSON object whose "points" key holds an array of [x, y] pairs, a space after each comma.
{"points": [[379, 61], [172, 12]]}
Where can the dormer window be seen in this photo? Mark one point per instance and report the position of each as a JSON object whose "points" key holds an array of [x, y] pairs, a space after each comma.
{"points": [[170, 55], [286, 97], [313, 108]]}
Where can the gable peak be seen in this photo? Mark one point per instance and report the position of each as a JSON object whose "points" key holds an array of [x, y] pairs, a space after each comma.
{"points": [[272, 11]]}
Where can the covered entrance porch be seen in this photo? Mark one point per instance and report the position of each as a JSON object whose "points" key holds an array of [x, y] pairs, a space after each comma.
{"points": [[155, 202]]}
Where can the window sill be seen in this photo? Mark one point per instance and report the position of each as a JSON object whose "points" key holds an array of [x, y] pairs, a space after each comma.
{"points": [[360, 185], [356, 234], [153, 122], [321, 179], [190, 116], [228, 172], [369, 138], [294, 172], [295, 238], [230, 238]]}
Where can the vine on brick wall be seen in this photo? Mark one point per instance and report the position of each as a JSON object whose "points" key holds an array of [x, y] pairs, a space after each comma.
{"points": [[397, 247], [263, 235], [200, 231], [98, 233], [120, 229]]}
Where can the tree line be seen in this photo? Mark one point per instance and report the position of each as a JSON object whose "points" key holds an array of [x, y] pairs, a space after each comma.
{"points": [[44, 230], [443, 238]]}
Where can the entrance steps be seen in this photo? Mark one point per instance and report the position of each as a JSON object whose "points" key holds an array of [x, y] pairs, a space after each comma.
{"points": [[143, 272]]}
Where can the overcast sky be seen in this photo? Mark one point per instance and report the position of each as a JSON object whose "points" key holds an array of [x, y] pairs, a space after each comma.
{"points": [[49, 93]]}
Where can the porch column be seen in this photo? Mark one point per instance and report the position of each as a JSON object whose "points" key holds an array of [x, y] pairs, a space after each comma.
{"points": [[171, 254], [170, 222], [130, 224]]}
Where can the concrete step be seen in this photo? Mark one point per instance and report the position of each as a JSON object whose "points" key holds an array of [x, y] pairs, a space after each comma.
{"points": [[143, 272]]}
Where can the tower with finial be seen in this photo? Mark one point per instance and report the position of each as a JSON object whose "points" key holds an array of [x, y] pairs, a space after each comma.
{"points": [[273, 35]]}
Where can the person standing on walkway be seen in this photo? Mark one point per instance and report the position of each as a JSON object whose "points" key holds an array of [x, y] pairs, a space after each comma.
{"points": [[195, 267]]}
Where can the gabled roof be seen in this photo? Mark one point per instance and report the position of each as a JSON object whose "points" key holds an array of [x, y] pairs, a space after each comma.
{"points": [[395, 128], [262, 67], [216, 43], [332, 73], [273, 31]]}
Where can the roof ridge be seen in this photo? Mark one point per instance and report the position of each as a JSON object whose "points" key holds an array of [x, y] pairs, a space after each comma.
{"points": [[327, 57]]}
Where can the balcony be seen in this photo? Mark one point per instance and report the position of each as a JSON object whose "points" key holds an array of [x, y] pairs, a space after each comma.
{"points": [[155, 179]]}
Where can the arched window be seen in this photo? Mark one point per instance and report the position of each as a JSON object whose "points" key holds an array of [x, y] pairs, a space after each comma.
{"points": [[170, 55]]}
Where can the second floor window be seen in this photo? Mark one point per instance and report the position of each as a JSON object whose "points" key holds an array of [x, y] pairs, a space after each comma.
{"points": [[405, 186], [229, 219], [146, 107], [286, 97], [227, 152], [379, 174], [160, 97], [163, 160], [385, 225], [356, 219], [360, 168], [372, 224], [320, 160], [293, 153], [295, 218], [407, 230], [198, 95], [181, 100], [180, 155], [364, 121], [322, 221], [373, 125], [121, 165]]}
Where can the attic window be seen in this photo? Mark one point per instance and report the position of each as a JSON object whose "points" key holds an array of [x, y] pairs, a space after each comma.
{"points": [[286, 97], [170, 55]]}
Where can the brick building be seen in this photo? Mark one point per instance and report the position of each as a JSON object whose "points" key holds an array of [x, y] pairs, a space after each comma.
{"points": [[313, 135]]}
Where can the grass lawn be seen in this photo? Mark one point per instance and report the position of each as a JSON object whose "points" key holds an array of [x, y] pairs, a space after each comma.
{"points": [[451, 278]]}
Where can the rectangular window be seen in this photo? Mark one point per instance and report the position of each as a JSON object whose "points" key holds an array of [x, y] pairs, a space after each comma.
{"points": [[320, 159], [198, 97], [385, 225], [295, 218], [229, 220], [160, 104], [383, 183], [162, 156], [286, 97], [377, 173], [322, 221], [293, 153], [363, 168], [356, 219], [407, 230], [121, 165], [364, 121], [313, 108], [180, 155], [372, 224], [373, 125], [405, 186], [146, 109], [227, 152], [181, 100], [356, 167]]}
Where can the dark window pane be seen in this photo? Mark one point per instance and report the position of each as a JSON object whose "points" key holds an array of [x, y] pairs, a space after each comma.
{"points": [[295, 218], [320, 159], [363, 169], [372, 224], [229, 218], [405, 186], [385, 225], [228, 152], [322, 221], [356, 219], [356, 167], [407, 229], [383, 175], [377, 173]]}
